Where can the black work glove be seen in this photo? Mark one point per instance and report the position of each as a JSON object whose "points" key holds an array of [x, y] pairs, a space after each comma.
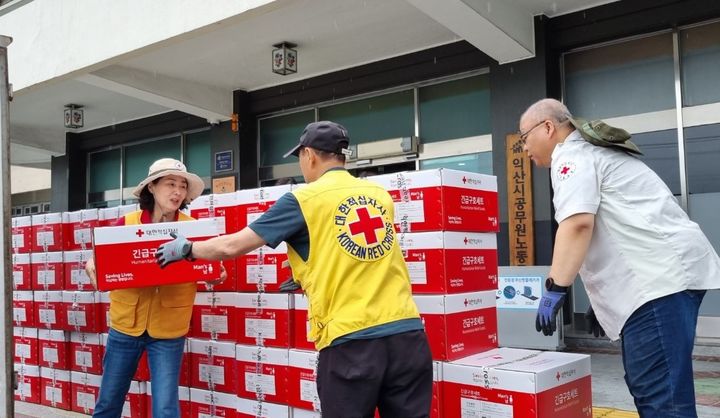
{"points": [[594, 326], [178, 249], [289, 285]]}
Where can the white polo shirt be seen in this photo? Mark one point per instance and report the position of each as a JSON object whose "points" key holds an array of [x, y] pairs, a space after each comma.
{"points": [[644, 246]]}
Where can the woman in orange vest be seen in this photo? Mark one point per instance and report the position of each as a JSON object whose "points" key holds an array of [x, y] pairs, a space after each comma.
{"points": [[153, 319]]}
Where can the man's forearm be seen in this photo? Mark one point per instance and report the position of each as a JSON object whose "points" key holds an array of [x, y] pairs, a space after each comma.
{"points": [[571, 245], [228, 246]]}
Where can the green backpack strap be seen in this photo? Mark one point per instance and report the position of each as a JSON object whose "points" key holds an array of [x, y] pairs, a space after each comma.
{"points": [[601, 134]]}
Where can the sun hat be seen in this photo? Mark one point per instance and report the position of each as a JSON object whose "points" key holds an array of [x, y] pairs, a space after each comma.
{"points": [[601, 134], [172, 167], [324, 136]]}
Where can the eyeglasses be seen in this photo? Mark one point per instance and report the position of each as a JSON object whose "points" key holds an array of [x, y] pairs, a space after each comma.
{"points": [[524, 135]]}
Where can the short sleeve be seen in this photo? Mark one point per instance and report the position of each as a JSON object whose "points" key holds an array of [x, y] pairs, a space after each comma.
{"points": [[281, 222], [576, 185]]}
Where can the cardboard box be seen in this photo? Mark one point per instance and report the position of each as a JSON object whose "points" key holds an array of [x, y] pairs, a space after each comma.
{"points": [[512, 382], [264, 319], [302, 390], [110, 216], [23, 309], [74, 266], [252, 203], [77, 228], [204, 404], [125, 255], [28, 382], [22, 272], [55, 388], [84, 388], [450, 262], [26, 345], [262, 373], [215, 316], [443, 200], [304, 413], [257, 409], [300, 323], [82, 311], [104, 311], [86, 352], [21, 228], [183, 395], [219, 205], [459, 325], [49, 309], [47, 233], [213, 365], [48, 272], [54, 349], [261, 270]]}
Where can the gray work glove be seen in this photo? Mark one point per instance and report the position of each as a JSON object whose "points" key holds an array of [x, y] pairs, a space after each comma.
{"points": [[178, 249], [289, 285], [594, 326]]}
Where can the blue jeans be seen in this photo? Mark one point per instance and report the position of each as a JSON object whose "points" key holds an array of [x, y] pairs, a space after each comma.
{"points": [[657, 343], [122, 355]]}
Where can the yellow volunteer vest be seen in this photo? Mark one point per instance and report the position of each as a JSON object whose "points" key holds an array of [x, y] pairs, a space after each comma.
{"points": [[164, 311], [355, 276]]}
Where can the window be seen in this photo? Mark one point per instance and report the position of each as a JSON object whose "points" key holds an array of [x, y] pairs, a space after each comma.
{"points": [[138, 158], [455, 109], [700, 60], [198, 158], [622, 79], [475, 163], [279, 134], [375, 118]]}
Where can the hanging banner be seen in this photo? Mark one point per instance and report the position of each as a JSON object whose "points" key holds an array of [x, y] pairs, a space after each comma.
{"points": [[520, 203]]}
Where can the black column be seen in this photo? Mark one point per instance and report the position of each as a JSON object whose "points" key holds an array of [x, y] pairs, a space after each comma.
{"points": [[247, 140], [514, 87]]}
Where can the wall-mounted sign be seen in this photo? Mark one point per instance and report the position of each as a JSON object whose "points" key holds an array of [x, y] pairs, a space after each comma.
{"points": [[520, 203], [223, 184], [519, 292], [223, 161]]}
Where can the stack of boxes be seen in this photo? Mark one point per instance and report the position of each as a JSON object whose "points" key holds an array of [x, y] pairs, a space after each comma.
{"points": [[57, 314], [248, 353]]}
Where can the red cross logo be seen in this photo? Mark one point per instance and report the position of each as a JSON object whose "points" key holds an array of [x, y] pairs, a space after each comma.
{"points": [[564, 170], [366, 225], [140, 233], [557, 376]]}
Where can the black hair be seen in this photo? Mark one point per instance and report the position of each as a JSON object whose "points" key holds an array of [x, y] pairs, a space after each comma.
{"points": [[327, 155], [147, 200]]}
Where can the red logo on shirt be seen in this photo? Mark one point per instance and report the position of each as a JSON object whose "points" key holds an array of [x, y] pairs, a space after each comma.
{"points": [[566, 170]]}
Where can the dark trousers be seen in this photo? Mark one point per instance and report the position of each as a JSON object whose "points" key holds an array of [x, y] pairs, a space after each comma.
{"points": [[392, 373]]}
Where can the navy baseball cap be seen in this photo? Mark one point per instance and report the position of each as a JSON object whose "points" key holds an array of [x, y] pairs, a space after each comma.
{"points": [[324, 136]]}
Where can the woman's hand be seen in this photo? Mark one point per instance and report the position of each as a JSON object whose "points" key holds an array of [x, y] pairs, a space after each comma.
{"points": [[223, 276], [90, 271]]}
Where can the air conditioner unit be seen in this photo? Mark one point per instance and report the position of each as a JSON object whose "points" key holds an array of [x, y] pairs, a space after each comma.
{"points": [[393, 147]]}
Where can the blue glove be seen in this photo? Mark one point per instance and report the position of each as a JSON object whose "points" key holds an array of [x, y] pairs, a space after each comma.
{"points": [[178, 249], [550, 304], [594, 326]]}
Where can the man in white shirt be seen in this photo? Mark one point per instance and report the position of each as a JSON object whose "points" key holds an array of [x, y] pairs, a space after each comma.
{"points": [[644, 264]]}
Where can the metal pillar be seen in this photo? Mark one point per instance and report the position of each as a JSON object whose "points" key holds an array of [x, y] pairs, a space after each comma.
{"points": [[7, 382]]}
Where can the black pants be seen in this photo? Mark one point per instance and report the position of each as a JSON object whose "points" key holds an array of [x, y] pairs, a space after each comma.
{"points": [[391, 373]]}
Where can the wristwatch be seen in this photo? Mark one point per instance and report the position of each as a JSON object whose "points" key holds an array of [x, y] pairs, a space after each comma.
{"points": [[551, 286]]}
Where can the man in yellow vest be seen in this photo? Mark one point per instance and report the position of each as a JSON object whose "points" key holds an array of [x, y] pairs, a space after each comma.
{"points": [[344, 253]]}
